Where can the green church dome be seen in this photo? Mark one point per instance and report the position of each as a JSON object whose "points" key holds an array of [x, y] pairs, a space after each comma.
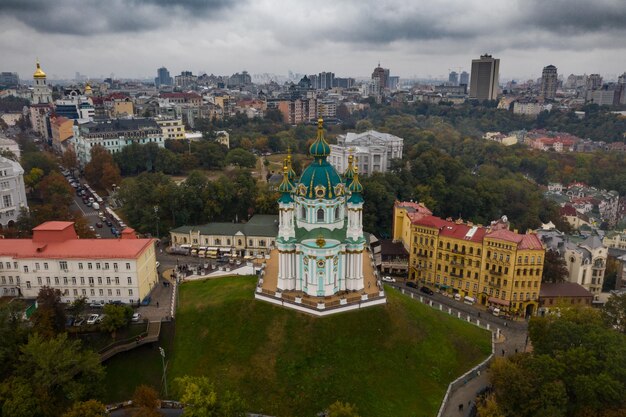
{"points": [[320, 148], [320, 179]]}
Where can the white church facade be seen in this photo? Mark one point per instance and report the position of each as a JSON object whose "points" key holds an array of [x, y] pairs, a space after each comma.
{"points": [[320, 236]]}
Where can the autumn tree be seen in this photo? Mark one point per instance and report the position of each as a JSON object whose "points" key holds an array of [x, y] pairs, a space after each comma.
{"points": [[340, 409], [89, 408], [49, 317], [200, 399], [146, 399], [55, 191], [69, 159], [102, 171]]}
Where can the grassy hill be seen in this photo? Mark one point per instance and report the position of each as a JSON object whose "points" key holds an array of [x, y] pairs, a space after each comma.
{"points": [[393, 360]]}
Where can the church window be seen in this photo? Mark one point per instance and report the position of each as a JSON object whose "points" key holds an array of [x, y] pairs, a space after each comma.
{"points": [[303, 213], [336, 213], [320, 215]]}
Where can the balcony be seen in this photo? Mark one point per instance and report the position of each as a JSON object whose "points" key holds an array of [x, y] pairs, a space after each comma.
{"points": [[494, 272], [456, 274]]}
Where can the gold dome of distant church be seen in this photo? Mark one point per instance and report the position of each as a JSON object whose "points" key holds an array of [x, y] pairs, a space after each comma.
{"points": [[39, 72]]}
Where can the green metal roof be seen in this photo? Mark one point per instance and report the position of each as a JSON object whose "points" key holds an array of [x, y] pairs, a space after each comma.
{"points": [[265, 225], [336, 234]]}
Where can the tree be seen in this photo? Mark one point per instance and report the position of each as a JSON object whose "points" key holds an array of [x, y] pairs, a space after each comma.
{"points": [[200, 399], [77, 307], [614, 312], [241, 157], [69, 159], [13, 334], [339, 409], [554, 268], [102, 171], [115, 317], [58, 372], [31, 180], [55, 191], [18, 398], [89, 408], [49, 318], [147, 401]]}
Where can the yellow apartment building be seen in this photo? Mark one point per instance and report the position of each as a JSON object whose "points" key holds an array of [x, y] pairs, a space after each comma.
{"points": [[490, 265]]}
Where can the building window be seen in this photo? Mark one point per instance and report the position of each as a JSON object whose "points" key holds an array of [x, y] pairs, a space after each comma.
{"points": [[56, 280], [336, 213], [64, 280], [91, 280], [130, 292], [80, 265], [98, 265], [117, 280], [118, 292], [89, 265], [115, 266], [303, 213], [26, 268], [320, 215], [127, 266], [92, 292], [130, 280], [99, 280], [45, 265], [75, 291]]}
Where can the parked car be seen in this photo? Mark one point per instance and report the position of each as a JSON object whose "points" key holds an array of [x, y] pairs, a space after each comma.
{"points": [[108, 222], [99, 225], [96, 304], [92, 229], [113, 230], [136, 317], [427, 290], [411, 284], [79, 322], [93, 318], [116, 303], [389, 279], [158, 264], [98, 236]]}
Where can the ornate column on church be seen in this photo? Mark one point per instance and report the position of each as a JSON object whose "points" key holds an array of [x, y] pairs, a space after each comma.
{"points": [[355, 241], [286, 234]]}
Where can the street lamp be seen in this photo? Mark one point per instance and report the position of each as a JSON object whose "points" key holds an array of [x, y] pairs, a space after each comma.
{"points": [[156, 213], [162, 351]]}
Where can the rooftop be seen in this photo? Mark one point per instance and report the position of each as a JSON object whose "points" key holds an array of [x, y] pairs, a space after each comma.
{"points": [[265, 225], [563, 289]]}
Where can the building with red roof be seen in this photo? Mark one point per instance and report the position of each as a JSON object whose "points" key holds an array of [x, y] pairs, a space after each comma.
{"points": [[491, 264], [103, 270]]}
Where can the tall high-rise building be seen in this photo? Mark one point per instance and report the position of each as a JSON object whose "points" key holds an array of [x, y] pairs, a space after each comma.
{"points": [[453, 78], [594, 82], [549, 81], [326, 80], [464, 78], [485, 78], [380, 77], [9, 79], [163, 77]]}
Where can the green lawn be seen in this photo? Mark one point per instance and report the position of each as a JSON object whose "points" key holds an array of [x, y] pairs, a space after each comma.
{"points": [[393, 360]]}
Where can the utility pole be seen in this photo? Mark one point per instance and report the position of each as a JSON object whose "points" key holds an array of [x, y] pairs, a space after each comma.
{"points": [[162, 351]]}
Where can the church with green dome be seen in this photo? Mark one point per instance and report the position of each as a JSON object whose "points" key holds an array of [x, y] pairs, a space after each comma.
{"points": [[320, 238]]}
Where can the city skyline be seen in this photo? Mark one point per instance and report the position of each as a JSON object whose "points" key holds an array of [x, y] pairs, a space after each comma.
{"points": [[133, 38]]}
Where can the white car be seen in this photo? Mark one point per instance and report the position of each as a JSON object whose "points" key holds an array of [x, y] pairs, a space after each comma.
{"points": [[136, 317], [93, 318], [389, 279]]}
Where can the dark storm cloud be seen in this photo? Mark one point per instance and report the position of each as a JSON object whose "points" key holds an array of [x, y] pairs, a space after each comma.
{"points": [[91, 17], [574, 16]]}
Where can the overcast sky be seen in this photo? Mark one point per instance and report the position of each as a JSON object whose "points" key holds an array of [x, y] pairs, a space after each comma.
{"points": [[132, 38]]}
